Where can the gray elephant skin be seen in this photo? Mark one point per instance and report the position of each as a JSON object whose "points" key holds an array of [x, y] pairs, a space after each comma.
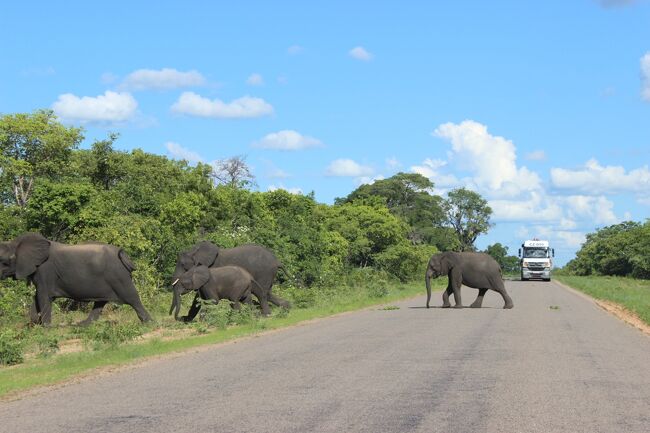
{"points": [[226, 282], [256, 259], [87, 272], [477, 270]]}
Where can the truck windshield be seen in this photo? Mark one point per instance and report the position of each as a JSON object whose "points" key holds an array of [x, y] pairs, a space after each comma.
{"points": [[536, 253]]}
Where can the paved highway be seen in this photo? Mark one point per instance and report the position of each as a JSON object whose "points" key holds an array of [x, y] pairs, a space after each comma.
{"points": [[554, 363]]}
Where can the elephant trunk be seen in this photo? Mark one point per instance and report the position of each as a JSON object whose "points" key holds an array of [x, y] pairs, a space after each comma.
{"points": [[427, 282], [176, 300]]}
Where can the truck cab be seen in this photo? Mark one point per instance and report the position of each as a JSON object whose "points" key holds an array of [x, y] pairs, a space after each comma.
{"points": [[536, 260]]}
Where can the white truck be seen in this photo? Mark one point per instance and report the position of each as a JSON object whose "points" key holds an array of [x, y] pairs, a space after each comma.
{"points": [[536, 260]]}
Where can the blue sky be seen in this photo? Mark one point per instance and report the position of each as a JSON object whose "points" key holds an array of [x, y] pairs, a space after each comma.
{"points": [[542, 107]]}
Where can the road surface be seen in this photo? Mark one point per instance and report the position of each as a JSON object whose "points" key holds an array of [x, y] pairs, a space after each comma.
{"points": [[554, 363]]}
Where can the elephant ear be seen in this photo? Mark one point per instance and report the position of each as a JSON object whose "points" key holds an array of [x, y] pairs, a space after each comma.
{"points": [[205, 253], [448, 261], [195, 278], [31, 251]]}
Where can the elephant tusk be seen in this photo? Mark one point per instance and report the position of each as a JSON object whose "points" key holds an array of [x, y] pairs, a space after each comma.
{"points": [[174, 283]]}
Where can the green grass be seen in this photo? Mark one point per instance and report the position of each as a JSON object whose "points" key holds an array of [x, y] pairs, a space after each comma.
{"points": [[632, 294], [39, 370]]}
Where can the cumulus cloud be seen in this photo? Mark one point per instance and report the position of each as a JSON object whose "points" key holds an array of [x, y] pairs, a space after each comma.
{"points": [[166, 78], [348, 168], [599, 210], [430, 168], [360, 53], [368, 180], [595, 179], [245, 107], [491, 159], [255, 80], [645, 77], [179, 152], [287, 140], [537, 155], [532, 209], [111, 107], [290, 190]]}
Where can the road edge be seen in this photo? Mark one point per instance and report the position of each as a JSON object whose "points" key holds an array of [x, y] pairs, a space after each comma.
{"points": [[614, 309]]}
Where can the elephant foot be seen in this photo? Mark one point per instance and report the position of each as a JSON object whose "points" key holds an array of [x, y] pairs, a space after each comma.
{"points": [[446, 306], [475, 306], [508, 306], [458, 306]]}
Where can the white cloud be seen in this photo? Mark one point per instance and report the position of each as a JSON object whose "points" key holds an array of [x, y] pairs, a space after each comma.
{"points": [[255, 80], [277, 173], [166, 78], [393, 163], [599, 210], [295, 49], [537, 155], [367, 180], [290, 190], [491, 159], [244, 107], [111, 107], [595, 179], [287, 140], [430, 168], [179, 152], [360, 53], [348, 168], [570, 239], [645, 77], [534, 208]]}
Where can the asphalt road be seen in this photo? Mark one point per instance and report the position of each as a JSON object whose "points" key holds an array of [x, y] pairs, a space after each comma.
{"points": [[570, 368]]}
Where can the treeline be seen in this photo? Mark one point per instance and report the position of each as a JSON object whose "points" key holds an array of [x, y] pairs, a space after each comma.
{"points": [[620, 249], [155, 207]]}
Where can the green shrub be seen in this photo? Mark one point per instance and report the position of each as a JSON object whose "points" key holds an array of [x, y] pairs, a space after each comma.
{"points": [[11, 348], [47, 344], [223, 315], [109, 334]]}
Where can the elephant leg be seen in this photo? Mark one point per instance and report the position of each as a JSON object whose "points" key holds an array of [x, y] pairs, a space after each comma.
{"points": [[44, 305], [479, 299], [506, 298], [194, 309], [34, 312], [235, 305], [456, 281], [98, 306], [445, 296], [248, 300], [278, 301], [127, 292], [260, 293]]}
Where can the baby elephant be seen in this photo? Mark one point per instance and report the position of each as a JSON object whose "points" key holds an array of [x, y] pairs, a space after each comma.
{"points": [[226, 282]]}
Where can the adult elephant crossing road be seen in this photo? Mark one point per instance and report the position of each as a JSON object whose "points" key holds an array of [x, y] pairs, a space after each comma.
{"points": [[570, 368]]}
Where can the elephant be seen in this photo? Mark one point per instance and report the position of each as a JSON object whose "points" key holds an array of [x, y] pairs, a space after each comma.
{"points": [[87, 272], [226, 282], [477, 270], [256, 259]]}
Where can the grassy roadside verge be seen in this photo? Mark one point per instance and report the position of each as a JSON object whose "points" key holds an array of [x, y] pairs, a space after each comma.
{"points": [[632, 294], [58, 368]]}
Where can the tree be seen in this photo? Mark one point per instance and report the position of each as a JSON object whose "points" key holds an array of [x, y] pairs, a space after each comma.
{"points": [[509, 264], [107, 169], [408, 196], [32, 146], [233, 172], [468, 214]]}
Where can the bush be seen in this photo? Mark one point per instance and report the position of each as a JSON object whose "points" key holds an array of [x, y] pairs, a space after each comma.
{"points": [[109, 334], [223, 315], [405, 261], [46, 343], [11, 348]]}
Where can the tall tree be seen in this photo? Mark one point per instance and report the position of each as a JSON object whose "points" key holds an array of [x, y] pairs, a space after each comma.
{"points": [[468, 214], [233, 172], [408, 196], [32, 146]]}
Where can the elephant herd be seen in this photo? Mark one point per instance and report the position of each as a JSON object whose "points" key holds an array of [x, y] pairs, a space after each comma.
{"points": [[101, 273]]}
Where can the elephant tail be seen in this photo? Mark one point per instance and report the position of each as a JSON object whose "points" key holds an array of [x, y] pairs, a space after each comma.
{"points": [[126, 260]]}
